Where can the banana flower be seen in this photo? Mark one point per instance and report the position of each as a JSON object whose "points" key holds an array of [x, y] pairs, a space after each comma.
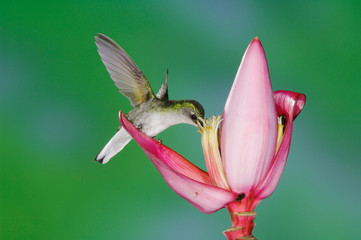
{"points": [[245, 157]]}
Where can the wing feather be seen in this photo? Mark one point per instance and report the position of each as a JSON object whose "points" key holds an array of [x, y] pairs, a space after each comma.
{"points": [[163, 91], [127, 77]]}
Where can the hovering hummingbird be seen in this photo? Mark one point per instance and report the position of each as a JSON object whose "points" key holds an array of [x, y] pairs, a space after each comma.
{"points": [[152, 113]]}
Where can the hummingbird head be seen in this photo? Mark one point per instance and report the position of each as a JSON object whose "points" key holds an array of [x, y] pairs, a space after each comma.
{"points": [[192, 111]]}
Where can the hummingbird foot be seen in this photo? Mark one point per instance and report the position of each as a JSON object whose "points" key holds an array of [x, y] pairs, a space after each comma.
{"points": [[160, 140]]}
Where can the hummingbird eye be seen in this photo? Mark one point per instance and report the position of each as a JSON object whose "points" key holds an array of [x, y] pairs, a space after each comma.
{"points": [[194, 117]]}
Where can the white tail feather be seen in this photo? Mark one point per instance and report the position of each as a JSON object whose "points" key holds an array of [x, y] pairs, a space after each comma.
{"points": [[115, 145]]}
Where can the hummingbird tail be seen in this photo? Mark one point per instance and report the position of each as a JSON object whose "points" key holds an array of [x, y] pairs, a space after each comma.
{"points": [[115, 145]]}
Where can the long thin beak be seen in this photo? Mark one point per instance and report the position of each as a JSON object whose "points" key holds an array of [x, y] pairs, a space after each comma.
{"points": [[200, 122]]}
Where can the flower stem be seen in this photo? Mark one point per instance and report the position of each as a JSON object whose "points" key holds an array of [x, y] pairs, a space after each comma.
{"points": [[242, 216]]}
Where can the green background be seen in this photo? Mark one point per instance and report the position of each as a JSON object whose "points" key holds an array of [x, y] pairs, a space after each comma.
{"points": [[59, 107]]}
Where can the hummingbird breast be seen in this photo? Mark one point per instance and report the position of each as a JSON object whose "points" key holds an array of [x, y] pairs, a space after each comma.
{"points": [[152, 118]]}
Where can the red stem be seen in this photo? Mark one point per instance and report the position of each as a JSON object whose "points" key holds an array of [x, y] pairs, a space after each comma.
{"points": [[242, 216]]}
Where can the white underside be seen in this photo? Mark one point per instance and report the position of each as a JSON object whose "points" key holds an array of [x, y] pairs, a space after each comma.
{"points": [[150, 123]]}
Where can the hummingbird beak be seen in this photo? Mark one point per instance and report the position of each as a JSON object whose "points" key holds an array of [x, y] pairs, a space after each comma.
{"points": [[200, 122]]}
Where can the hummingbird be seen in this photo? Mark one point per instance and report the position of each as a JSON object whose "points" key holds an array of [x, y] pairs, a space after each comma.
{"points": [[151, 113]]}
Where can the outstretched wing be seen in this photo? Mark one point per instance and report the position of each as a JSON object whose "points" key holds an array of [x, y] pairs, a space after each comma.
{"points": [[163, 91], [130, 81]]}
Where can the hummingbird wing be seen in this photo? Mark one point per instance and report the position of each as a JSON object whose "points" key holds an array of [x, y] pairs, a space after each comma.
{"points": [[163, 91], [128, 78]]}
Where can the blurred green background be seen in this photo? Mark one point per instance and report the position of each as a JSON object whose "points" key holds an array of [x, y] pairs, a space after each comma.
{"points": [[59, 107]]}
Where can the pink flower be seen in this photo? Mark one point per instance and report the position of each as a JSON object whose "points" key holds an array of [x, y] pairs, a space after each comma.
{"points": [[255, 137]]}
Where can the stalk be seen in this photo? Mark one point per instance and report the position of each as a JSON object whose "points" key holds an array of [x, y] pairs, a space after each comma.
{"points": [[242, 216]]}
